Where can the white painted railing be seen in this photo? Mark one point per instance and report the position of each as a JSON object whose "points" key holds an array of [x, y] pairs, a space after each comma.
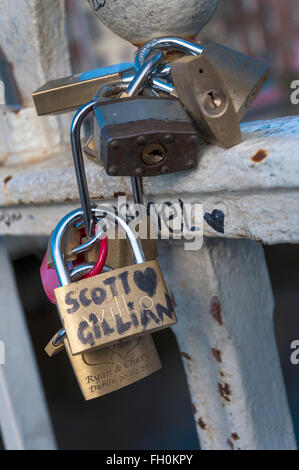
{"points": [[223, 293]]}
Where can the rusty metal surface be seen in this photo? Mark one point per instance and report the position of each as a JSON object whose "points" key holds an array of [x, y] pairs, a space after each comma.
{"points": [[248, 191]]}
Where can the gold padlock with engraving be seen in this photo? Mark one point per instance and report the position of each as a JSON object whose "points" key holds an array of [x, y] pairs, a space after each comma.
{"points": [[109, 369], [114, 306], [105, 370]]}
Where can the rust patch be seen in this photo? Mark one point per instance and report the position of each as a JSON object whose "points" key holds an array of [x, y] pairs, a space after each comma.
{"points": [[201, 423], [7, 179], [186, 356], [225, 391], [194, 409], [260, 156], [217, 354], [231, 445], [183, 285], [235, 436], [215, 310], [117, 194]]}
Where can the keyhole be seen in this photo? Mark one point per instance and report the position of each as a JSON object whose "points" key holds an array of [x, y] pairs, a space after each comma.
{"points": [[153, 154], [215, 100]]}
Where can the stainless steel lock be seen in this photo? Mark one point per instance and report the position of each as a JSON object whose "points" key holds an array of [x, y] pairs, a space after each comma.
{"points": [[110, 307]]}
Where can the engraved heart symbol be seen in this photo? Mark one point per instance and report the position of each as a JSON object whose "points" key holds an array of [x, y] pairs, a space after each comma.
{"points": [[146, 281], [110, 355], [215, 220]]}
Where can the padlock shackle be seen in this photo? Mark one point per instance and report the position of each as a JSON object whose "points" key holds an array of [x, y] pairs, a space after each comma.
{"points": [[79, 163], [144, 73], [78, 271], [68, 221], [166, 42]]}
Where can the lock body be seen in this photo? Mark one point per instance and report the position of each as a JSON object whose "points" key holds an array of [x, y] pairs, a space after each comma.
{"points": [[68, 93], [115, 306], [243, 76], [106, 370], [205, 96], [145, 136]]}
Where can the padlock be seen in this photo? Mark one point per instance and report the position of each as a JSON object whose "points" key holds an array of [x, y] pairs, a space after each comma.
{"points": [[67, 93], [243, 75], [206, 98], [109, 369], [110, 307], [105, 370], [145, 136]]}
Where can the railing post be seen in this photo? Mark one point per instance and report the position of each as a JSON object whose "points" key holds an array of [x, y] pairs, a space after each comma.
{"points": [[33, 40], [224, 304]]}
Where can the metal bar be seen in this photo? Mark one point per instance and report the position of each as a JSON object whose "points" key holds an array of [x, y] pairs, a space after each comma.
{"points": [[24, 417], [225, 331]]}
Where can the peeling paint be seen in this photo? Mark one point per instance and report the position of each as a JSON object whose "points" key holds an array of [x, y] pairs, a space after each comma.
{"points": [[216, 309], [201, 423], [217, 354], [7, 179], [186, 356], [230, 444], [225, 391]]}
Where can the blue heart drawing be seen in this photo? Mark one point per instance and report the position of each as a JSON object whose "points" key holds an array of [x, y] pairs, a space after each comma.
{"points": [[146, 281], [215, 220]]}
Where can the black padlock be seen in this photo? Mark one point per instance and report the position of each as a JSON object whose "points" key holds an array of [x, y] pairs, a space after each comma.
{"points": [[145, 136]]}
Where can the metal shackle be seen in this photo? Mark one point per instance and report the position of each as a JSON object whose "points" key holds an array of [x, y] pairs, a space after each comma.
{"points": [[76, 275], [144, 73], [166, 42], [57, 239]]}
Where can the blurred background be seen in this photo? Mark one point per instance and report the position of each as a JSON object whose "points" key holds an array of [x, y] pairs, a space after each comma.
{"points": [[156, 413]]}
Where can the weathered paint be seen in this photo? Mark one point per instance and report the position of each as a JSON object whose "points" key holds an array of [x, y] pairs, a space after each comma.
{"points": [[225, 328], [142, 20]]}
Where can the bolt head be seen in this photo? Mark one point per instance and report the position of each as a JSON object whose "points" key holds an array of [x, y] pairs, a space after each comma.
{"points": [[114, 144], [112, 170], [141, 140], [168, 138]]}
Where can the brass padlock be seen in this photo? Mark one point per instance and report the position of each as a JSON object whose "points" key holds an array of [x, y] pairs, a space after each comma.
{"points": [[243, 75], [108, 369], [205, 96], [67, 93], [115, 306]]}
